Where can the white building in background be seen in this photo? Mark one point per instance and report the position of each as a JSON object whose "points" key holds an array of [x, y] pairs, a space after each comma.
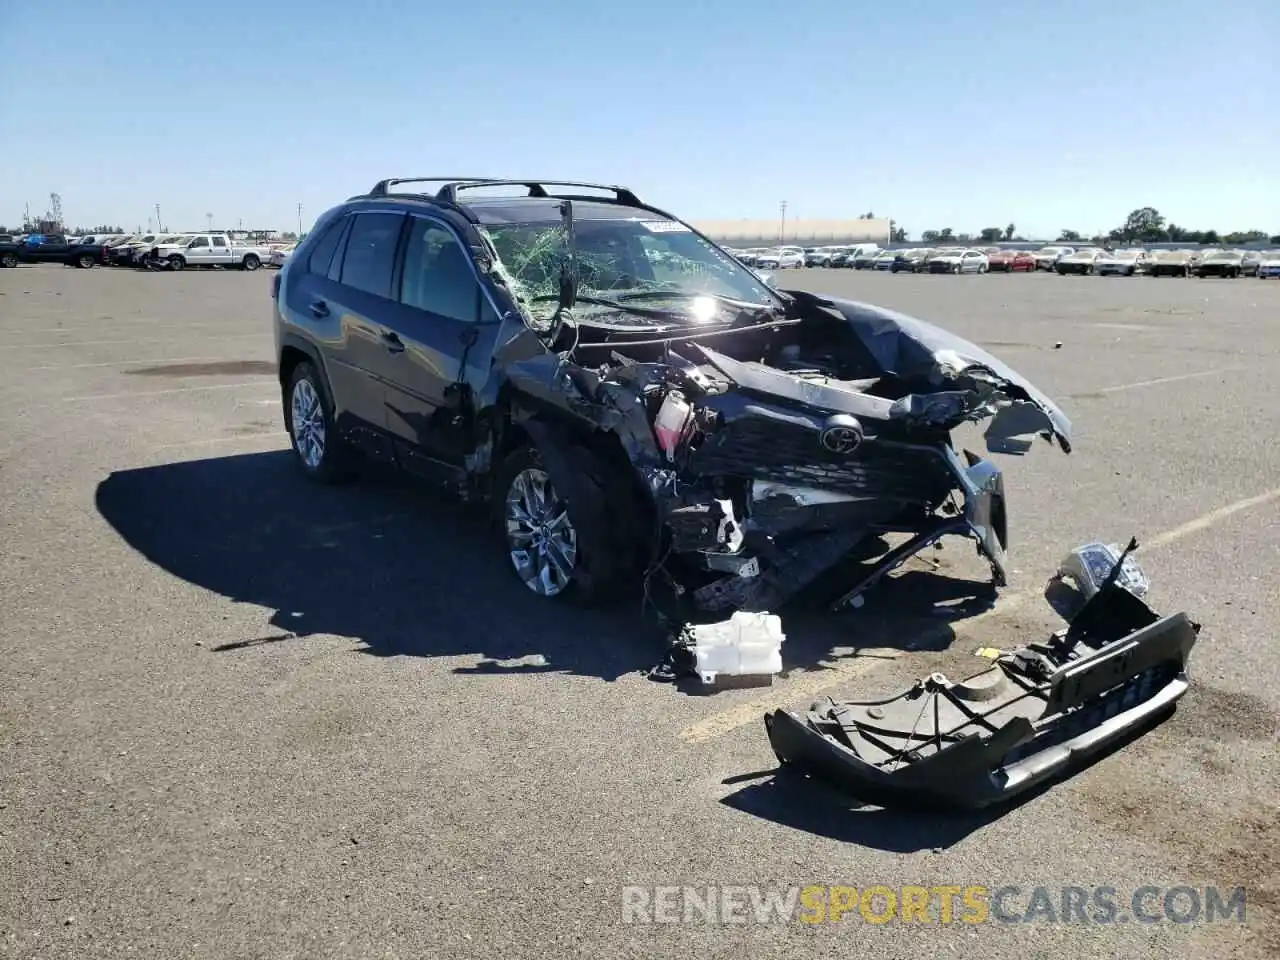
{"points": [[802, 232]]}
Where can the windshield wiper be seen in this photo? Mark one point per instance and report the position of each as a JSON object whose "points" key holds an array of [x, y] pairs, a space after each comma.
{"points": [[693, 294], [616, 305]]}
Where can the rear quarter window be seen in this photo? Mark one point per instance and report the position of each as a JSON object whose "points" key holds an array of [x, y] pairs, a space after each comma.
{"points": [[325, 245]]}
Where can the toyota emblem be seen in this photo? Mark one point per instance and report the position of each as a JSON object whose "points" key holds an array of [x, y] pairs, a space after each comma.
{"points": [[840, 439]]}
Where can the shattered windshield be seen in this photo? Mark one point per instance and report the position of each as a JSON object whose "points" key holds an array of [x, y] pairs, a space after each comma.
{"points": [[618, 259]]}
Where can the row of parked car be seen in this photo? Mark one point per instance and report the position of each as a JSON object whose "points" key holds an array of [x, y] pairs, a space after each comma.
{"points": [[174, 251], [1064, 260]]}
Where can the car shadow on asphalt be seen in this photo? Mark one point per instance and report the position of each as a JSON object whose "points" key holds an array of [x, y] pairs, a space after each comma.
{"points": [[407, 572], [382, 560], [801, 803]]}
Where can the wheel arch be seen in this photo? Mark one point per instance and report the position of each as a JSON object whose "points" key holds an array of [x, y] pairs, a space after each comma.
{"points": [[589, 467], [295, 350]]}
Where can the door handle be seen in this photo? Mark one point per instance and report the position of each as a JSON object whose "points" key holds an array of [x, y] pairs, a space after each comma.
{"points": [[319, 308], [392, 342]]}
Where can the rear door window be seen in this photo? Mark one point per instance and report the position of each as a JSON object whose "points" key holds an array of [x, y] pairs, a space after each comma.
{"points": [[369, 261]]}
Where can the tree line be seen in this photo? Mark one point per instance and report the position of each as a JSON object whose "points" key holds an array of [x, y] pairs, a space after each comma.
{"points": [[1144, 225]]}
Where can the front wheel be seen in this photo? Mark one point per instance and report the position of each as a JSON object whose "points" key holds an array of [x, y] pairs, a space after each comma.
{"points": [[251, 261], [177, 262], [9, 260], [573, 544]]}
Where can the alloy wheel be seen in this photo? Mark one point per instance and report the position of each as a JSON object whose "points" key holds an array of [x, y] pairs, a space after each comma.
{"points": [[542, 542], [307, 416]]}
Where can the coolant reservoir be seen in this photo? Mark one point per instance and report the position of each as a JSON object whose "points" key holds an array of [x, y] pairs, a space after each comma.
{"points": [[672, 422]]}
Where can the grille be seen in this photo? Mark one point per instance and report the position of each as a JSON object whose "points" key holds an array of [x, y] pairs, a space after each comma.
{"points": [[785, 453]]}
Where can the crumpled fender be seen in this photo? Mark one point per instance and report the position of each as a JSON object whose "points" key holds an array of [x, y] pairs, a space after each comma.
{"points": [[909, 348]]}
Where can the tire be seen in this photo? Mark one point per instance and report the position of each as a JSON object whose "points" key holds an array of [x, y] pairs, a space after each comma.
{"points": [[85, 261], [251, 261], [176, 261], [597, 513], [9, 260], [321, 453], [982, 268]]}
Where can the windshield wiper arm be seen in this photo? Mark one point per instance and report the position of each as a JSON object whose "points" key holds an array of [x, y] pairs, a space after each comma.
{"points": [[691, 294], [616, 305]]}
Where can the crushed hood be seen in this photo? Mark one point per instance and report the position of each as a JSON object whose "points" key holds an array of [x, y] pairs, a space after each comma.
{"points": [[909, 348]]}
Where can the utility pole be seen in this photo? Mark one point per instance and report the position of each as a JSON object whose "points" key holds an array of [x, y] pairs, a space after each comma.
{"points": [[299, 219], [158, 220], [208, 218], [782, 224]]}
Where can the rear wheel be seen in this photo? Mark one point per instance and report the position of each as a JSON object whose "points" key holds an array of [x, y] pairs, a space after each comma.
{"points": [[251, 261], [308, 416], [85, 261], [9, 260]]}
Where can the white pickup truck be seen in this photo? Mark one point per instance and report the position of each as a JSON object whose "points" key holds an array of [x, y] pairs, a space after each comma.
{"points": [[209, 250]]}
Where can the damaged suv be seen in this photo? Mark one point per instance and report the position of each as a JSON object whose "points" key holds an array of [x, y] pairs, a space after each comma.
{"points": [[631, 399]]}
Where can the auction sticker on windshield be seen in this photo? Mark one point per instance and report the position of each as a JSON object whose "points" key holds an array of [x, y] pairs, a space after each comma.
{"points": [[664, 226]]}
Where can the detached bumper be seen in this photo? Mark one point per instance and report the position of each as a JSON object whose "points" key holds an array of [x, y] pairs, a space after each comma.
{"points": [[998, 734]]}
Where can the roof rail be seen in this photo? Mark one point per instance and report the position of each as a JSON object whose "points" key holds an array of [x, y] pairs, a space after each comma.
{"points": [[537, 187], [382, 187]]}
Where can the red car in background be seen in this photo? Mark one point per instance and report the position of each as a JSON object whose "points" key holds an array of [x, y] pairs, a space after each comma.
{"points": [[1011, 261]]}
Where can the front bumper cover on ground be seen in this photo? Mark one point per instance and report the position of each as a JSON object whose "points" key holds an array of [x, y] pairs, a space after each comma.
{"points": [[1034, 714]]}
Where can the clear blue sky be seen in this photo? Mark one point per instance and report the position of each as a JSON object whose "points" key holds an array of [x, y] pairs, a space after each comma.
{"points": [[960, 113]]}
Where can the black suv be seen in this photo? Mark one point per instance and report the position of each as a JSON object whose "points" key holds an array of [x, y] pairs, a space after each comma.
{"points": [[628, 397]]}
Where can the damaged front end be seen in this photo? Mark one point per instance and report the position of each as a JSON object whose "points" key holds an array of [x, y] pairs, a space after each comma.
{"points": [[773, 444], [767, 438], [1039, 709]]}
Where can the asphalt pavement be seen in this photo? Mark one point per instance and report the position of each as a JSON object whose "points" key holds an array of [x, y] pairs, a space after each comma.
{"points": [[243, 716]]}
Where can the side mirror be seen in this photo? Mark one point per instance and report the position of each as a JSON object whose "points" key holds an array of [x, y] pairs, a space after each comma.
{"points": [[769, 280]]}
